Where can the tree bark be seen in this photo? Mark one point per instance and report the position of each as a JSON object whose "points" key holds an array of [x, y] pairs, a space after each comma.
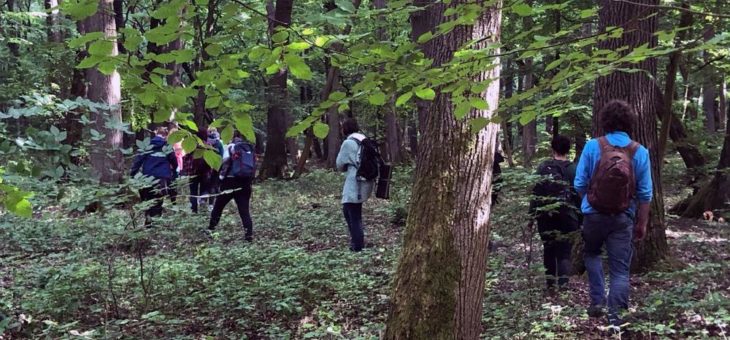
{"points": [[106, 159], [72, 125], [53, 21], [507, 139], [444, 256], [637, 89], [715, 194], [275, 160], [709, 90], [332, 84], [529, 131], [722, 108]]}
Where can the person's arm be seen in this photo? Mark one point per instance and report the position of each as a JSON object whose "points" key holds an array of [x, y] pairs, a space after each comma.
{"points": [[583, 170], [136, 164], [644, 191], [347, 154]]}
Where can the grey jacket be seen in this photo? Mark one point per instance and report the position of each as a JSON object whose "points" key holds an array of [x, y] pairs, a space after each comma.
{"points": [[348, 160]]}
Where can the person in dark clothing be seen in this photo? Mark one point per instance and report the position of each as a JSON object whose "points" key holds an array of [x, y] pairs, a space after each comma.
{"points": [[237, 188], [199, 172], [496, 174], [160, 163], [555, 209], [213, 181]]}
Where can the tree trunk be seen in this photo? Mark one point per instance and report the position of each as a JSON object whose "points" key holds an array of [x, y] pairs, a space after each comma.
{"points": [[667, 117], [507, 139], [275, 160], [392, 135], [72, 125], [53, 22], [637, 89], [714, 195], [529, 131], [106, 159], [444, 256], [722, 109], [709, 90]]}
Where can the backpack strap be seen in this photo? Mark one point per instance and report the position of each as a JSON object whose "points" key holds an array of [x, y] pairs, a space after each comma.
{"points": [[632, 148]]}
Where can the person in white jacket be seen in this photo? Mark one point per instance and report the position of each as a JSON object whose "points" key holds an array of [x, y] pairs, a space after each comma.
{"points": [[355, 190]]}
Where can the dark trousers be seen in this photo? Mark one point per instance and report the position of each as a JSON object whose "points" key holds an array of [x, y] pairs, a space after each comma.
{"points": [[241, 193], [196, 189], [616, 233], [353, 216], [557, 248], [156, 193]]}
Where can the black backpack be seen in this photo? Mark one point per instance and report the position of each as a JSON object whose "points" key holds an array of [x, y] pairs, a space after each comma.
{"points": [[370, 159], [554, 194]]}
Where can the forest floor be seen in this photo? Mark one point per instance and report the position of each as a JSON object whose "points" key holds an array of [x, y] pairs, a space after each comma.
{"points": [[66, 273]]}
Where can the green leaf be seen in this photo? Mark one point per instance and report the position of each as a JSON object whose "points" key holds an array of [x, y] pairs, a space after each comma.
{"points": [[298, 46], [425, 37], [426, 93], [337, 96], [587, 13], [321, 41], [189, 144], [404, 98], [212, 102], [22, 208], [212, 158], [553, 64], [79, 9], [107, 67], [299, 127], [85, 39], [346, 5], [177, 136], [227, 134], [377, 98], [101, 47], [89, 62], [477, 124], [132, 38], [213, 49], [522, 9], [244, 124], [478, 103], [297, 67], [280, 37], [321, 130], [462, 109]]}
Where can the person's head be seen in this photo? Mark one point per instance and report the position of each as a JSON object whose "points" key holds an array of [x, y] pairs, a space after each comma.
{"points": [[161, 131], [617, 115], [213, 133], [237, 135], [560, 146], [349, 126]]}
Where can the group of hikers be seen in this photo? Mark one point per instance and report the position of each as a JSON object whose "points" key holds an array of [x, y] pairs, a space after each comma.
{"points": [[608, 192]]}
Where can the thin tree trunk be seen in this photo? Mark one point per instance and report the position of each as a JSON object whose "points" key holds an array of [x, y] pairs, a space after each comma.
{"points": [[669, 88], [72, 125], [331, 85], [637, 89], [53, 21], [275, 160], [709, 90], [529, 131], [722, 109], [507, 139], [106, 159], [439, 282]]}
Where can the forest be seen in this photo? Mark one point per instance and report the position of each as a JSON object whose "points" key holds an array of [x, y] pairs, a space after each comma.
{"points": [[128, 126]]}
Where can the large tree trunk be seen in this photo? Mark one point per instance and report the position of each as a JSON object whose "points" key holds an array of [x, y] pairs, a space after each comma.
{"points": [[72, 125], [393, 139], [275, 160], [439, 283], [106, 159], [638, 90]]}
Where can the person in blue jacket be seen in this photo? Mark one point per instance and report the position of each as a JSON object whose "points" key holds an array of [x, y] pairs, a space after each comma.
{"points": [[159, 163], [615, 231]]}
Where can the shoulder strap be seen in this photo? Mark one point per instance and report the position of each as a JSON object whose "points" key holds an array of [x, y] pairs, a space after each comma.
{"points": [[604, 144], [632, 148]]}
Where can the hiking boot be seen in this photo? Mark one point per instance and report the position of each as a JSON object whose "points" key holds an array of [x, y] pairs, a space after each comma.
{"points": [[596, 311]]}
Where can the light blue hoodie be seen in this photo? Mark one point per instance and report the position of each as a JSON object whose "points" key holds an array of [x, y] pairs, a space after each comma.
{"points": [[348, 160]]}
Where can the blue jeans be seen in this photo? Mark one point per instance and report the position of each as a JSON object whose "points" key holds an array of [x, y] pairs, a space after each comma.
{"points": [[353, 216], [616, 232]]}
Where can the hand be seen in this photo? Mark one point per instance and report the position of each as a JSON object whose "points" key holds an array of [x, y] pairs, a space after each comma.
{"points": [[640, 231]]}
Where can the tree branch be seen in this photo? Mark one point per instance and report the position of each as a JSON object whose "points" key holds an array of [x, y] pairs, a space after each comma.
{"points": [[674, 8]]}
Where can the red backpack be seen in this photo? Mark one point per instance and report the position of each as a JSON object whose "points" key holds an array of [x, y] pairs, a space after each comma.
{"points": [[613, 185]]}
